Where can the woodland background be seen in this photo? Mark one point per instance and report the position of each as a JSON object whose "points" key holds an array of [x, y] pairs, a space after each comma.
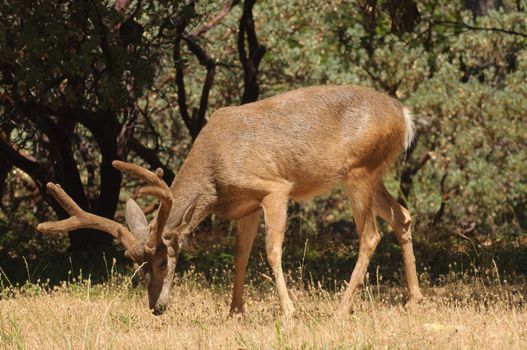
{"points": [[85, 82]]}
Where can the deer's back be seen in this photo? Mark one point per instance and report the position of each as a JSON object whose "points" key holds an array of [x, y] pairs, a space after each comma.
{"points": [[309, 137]]}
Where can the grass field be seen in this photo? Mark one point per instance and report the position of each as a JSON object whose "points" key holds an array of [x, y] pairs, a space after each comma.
{"points": [[79, 315]]}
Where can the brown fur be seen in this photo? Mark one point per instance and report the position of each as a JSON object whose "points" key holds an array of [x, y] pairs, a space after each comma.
{"points": [[255, 158], [296, 145], [308, 139]]}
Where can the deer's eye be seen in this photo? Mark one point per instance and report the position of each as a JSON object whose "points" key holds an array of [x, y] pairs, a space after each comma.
{"points": [[163, 265]]}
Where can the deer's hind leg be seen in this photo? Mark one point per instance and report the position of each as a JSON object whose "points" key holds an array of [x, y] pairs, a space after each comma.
{"points": [[399, 219], [360, 185], [245, 235]]}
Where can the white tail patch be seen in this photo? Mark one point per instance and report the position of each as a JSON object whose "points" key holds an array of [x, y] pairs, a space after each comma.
{"points": [[409, 128]]}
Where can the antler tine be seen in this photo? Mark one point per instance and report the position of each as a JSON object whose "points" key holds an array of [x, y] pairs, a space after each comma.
{"points": [[158, 188], [154, 179], [82, 219]]}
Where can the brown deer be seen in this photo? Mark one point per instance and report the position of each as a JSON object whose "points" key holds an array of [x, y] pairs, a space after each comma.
{"points": [[254, 158]]}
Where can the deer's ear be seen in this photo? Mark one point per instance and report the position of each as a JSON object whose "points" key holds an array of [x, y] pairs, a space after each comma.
{"points": [[135, 219], [187, 215]]}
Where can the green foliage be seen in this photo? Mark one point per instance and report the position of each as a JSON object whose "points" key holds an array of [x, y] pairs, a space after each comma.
{"points": [[466, 88], [51, 42], [463, 76]]}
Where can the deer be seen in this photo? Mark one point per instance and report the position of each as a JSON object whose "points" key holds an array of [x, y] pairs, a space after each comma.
{"points": [[250, 161]]}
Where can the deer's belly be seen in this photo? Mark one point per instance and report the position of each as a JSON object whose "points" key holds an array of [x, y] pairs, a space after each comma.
{"points": [[306, 191], [235, 202], [236, 205]]}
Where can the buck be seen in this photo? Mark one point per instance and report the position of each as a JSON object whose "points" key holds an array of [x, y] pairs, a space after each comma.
{"points": [[253, 159]]}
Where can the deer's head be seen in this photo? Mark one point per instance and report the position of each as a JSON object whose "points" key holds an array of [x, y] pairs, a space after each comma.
{"points": [[152, 247]]}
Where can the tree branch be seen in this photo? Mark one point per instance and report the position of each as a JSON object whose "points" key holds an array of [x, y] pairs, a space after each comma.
{"points": [[32, 168], [407, 176], [210, 65], [121, 6], [227, 6], [487, 29], [445, 194], [196, 121], [150, 157], [250, 61], [204, 100], [180, 84], [5, 168]]}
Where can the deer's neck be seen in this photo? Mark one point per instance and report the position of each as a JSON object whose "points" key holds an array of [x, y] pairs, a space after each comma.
{"points": [[192, 187]]}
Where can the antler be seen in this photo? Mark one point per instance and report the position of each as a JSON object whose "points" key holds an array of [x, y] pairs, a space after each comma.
{"points": [[82, 219], [157, 188]]}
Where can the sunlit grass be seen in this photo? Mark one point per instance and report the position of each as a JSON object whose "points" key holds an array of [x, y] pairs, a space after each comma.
{"points": [[458, 313]]}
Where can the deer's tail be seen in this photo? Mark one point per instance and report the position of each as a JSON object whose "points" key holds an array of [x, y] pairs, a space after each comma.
{"points": [[409, 132]]}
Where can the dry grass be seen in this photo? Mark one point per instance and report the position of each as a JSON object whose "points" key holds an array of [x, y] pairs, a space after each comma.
{"points": [[114, 316]]}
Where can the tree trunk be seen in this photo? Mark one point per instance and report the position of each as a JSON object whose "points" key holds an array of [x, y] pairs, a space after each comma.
{"points": [[482, 7], [250, 56], [68, 176]]}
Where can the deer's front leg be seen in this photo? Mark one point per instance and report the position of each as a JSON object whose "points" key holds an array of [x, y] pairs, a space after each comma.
{"points": [[246, 232], [275, 212]]}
